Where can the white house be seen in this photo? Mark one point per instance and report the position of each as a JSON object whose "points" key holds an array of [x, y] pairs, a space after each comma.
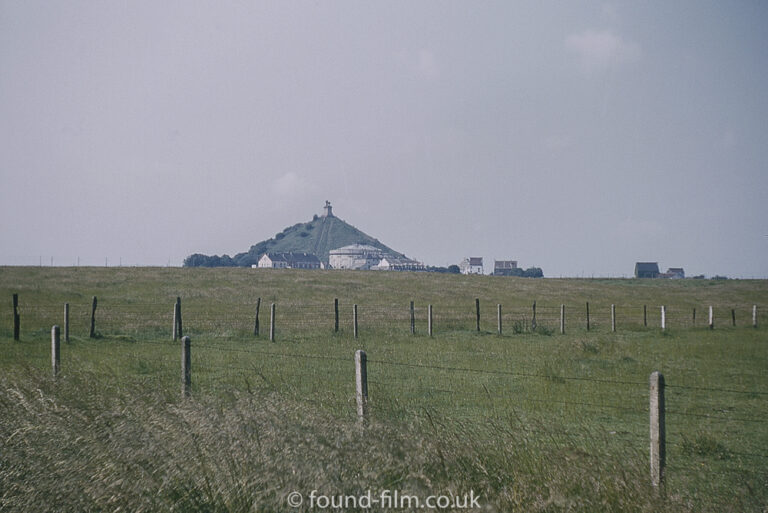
{"points": [[471, 265], [504, 267]]}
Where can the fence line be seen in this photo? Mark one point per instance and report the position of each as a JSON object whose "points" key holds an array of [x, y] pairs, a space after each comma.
{"points": [[314, 317]]}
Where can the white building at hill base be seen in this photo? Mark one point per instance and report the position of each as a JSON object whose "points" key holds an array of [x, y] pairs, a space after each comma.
{"points": [[355, 256]]}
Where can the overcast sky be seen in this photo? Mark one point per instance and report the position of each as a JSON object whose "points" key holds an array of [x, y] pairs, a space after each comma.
{"points": [[578, 137]]}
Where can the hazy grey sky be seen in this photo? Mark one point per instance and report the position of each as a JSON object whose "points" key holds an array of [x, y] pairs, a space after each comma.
{"points": [[579, 137]]}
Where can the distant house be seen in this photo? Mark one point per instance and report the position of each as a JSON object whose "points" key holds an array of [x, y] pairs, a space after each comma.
{"points": [[390, 263], [647, 270], [471, 265], [674, 273], [504, 267], [288, 261]]}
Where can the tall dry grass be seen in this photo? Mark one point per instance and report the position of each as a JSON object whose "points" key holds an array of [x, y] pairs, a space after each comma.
{"points": [[82, 445]]}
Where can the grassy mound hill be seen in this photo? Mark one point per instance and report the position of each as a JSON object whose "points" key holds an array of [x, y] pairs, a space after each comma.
{"points": [[318, 236]]}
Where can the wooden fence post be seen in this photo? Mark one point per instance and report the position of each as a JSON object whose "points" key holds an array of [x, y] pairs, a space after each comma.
{"points": [[92, 333], [694, 318], [663, 317], [711, 318], [733, 316], [413, 319], [613, 317], [533, 319], [16, 317], [562, 319], [658, 431], [176, 314], [186, 366], [361, 384], [354, 320], [272, 322], [256, 322], [429, 320], [498, 318], [336, 315], [477, 313], [645, 316], [587, 315], [754, 316], [66, 322], [55, 350]]}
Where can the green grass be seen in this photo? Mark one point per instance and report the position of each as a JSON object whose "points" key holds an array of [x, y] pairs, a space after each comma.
{"points": [[532, 421]]}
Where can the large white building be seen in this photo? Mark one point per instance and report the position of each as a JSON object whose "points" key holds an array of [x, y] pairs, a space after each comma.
{"points": [[390, 263], [355, 256]]}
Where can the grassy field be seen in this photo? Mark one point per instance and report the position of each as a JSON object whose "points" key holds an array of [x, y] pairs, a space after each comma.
{"points": [[529, 420]]}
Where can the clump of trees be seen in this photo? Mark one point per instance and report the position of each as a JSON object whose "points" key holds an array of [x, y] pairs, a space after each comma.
{"points": [[451, 269], [200, 260]]}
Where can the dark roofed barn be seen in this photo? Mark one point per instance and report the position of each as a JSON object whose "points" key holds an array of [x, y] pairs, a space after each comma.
{"points": [[289, 261], [647, 270]]}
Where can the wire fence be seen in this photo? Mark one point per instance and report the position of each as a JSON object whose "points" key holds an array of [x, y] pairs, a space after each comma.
{"points": [[718, 429], [296, 319]]}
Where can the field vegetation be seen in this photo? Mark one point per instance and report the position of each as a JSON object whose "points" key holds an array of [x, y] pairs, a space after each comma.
{"points": [[529, 420]]}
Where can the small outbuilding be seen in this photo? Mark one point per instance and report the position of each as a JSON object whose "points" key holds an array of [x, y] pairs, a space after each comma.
{"points": [[675, 273]]}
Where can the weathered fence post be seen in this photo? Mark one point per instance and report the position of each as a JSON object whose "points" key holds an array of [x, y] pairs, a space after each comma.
{"points": [[498, 318], [711, 318], [477, 313], [658, 431], [754, 316], [178, 318], [645, 316], [613, 317], [562, 319], [587, 315], [55, 350], [694, 318], [361, 384], [354, 320], [92, 333], [429, 320], [16, 317], [533, 319], [272, 322], [66, 322], [336, 315], [413, 319], [663, 317], [733, 316], [186, 366], [256, 322]]}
